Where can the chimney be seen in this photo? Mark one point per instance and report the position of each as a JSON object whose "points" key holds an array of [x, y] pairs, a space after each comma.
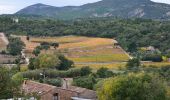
{"points": [[65, 83]]}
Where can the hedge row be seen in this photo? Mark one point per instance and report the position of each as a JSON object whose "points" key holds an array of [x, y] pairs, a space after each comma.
{"points": [[51, 73]]}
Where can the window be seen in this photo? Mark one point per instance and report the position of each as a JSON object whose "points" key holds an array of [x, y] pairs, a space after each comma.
{"points": [[56, 96]]}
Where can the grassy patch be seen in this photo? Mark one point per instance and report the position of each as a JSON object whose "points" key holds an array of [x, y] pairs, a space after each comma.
{"points": [[156, 64], [110, 66], [101, 58]]}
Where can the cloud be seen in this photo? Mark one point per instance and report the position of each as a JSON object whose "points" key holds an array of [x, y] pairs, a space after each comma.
{"points": [[162, 1], [7, 9]]}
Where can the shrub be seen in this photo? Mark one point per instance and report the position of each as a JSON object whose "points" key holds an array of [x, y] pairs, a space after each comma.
{"points": [[85, 71], [51, 73], [55, 82], [104, 73], [154, 58], [133, 63], [85, 82]]}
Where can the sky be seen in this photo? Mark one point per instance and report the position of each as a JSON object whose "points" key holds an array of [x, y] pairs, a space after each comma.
{"points": [[12, 6]]}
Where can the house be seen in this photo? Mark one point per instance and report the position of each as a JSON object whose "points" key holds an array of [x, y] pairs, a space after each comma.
{"points": [[49, 92]]}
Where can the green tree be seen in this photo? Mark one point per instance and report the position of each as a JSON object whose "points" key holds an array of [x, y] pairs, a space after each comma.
{"points": [[85, 82], [8, 87], [85, 71], [133, 63], [36, 51], [55, 45], [31, 64], [47, 61], [65, 63], [15, 46], [133, 87], [104, 73]]}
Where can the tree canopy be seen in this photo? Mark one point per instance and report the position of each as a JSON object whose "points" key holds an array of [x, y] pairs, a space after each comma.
{"points": [[133, 87]]}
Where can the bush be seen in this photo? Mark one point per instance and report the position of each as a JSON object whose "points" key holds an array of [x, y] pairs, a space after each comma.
{"points": [[84, 82], [154, 58], [85, 71], [133, 87], [133, 63], [104, 73], [65, 63], [51, 73], [165, 72], [55, 82]]}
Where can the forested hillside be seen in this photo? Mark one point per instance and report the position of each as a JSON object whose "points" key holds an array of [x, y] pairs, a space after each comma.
{"points": [[103, 8], [129, 32]]}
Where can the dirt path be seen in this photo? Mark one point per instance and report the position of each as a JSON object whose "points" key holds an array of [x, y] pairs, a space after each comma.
{"points": [[4, 38]]}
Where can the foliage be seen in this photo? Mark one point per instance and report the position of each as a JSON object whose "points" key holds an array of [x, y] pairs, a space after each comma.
{"points": [[129, 32], [153, 57], [165, 72], [36, 51], [85, 82], [15, 46], [133, 63], [104, 73], [55, 82], [8, 87], [85, 71], [133, 87], [65, 63], [47, 61], [31, 64], [51, 73]]}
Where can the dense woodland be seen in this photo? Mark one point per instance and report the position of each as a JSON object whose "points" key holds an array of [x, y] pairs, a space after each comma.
{"points": [[129, 32]]}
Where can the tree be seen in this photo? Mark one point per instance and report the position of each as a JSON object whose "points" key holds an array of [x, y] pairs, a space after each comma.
{"points": [[85, 82], [45, 45], [36, 51], [55, 45], [65, 63], [15, 46], [104, 73], [31, 64], [85, 71], [133, 63], [133, 87], [132, 47], [47, 61], [8, 87], [28, 38]]}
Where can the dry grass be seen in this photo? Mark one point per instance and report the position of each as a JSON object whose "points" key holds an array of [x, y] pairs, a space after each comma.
{"points": [[2, 44], [101, 58], [110, 66], [29, 45], [156, 64]]}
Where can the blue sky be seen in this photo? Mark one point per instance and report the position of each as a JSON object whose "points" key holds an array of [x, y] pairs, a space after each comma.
{"points": [[12, 6]]}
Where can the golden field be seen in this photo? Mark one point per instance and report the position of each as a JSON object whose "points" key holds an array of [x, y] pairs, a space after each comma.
{"points": [[93, 52], [82, 49]]}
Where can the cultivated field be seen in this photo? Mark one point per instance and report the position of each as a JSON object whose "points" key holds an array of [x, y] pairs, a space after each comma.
{"points": [[89, 51]]}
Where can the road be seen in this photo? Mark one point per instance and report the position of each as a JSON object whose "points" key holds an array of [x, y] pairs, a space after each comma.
{"points": [[4, 38]]}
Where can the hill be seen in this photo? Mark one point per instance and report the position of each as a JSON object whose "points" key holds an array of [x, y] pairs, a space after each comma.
{"points": [[104, 8]]}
